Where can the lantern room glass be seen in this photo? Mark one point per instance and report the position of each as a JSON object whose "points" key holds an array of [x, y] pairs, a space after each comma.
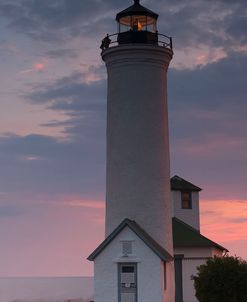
{"points": [[137, 23]]}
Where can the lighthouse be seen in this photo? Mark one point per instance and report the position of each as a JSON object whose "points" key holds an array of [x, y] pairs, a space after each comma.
{"points": [[135, 261]]}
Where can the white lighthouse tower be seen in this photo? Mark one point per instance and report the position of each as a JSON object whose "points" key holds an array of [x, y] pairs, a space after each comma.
{"points": [[134, 263]]}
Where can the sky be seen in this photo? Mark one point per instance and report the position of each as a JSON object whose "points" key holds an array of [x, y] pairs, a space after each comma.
{"points": [[53, 120]]}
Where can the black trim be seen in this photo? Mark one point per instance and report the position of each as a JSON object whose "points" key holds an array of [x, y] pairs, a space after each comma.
{"points": [[165, 275], [178, 266], [180, 184], [184, 235], [136, 9], [197, 258]]}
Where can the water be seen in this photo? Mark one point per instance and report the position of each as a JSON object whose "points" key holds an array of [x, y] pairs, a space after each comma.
{"points": [[45, 289]]}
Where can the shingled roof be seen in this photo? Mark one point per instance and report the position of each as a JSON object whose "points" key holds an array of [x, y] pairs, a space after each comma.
{"points": [[180, 184], [185, 235], [143, 235]]}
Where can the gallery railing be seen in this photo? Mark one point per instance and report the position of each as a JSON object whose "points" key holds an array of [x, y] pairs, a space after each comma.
{"points": [[136, 37]]}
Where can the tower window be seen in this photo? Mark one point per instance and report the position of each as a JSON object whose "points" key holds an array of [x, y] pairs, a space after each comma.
{"points": [[186, 200], [127, 248]]}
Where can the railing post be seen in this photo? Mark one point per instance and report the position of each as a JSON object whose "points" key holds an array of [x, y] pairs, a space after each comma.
{"points": [[171, 43]]}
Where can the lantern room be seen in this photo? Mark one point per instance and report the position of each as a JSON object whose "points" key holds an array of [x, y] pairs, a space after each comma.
{"points": [[137, 24]]}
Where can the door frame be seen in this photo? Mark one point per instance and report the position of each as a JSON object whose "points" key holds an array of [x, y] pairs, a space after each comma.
{"points": [[120, 265]]}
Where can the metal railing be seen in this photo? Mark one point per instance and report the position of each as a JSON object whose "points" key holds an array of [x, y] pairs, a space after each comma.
{"points": [[112, 40]]}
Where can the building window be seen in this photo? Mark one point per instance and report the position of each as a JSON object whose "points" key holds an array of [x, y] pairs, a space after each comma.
{"points": [[186, 200], [127, 248]]}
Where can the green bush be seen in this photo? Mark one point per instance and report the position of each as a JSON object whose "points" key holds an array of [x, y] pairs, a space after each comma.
{"points": [[222, 279]]}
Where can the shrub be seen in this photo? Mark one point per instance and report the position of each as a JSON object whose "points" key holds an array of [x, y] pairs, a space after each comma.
{"points": [[222, 279]]}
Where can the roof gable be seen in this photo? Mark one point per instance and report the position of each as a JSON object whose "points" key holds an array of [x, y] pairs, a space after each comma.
{"points": [[185, 235], [143, 235], [180, 184]]}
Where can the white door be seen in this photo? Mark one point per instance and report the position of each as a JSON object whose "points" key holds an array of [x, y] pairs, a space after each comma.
{"points": [[127, 282]]}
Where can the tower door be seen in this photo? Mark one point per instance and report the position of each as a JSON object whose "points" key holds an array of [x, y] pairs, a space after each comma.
{"points": [[127, 282]]}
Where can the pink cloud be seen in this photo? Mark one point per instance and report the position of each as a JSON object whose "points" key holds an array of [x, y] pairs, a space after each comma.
{"points": [[225, 221], [241, 48], [10, 47], [36, 67], [210, 145], [85, 204], [208, 56], [39, 66], [198, 56]]}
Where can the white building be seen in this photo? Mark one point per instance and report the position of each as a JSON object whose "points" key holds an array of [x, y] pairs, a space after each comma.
{"points": [[131, 257], [129, 244], [191, 248]]}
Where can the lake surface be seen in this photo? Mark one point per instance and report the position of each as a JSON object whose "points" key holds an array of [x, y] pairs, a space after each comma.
{"points": [[45, 289]]}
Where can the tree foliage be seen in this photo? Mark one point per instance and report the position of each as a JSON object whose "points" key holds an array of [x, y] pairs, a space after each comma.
{"points": [[222, 279]]}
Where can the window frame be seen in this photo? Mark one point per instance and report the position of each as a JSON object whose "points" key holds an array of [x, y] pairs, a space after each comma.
{"points": [[189, 207]]}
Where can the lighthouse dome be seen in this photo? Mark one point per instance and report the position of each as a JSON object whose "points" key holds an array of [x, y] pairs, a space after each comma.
{"points": [[137, 18]]}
